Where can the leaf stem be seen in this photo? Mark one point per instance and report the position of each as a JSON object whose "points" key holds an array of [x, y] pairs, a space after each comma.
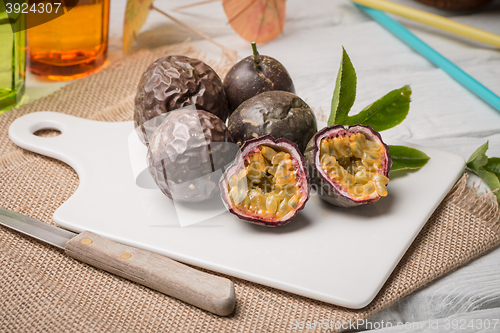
{"points": [[256, 55]]}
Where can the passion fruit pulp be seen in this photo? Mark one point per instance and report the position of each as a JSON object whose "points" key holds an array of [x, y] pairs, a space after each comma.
{"points": [[174, 82], [268, 183], [349, 166]]}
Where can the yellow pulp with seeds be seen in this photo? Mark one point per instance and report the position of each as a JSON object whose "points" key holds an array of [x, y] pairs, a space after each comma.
{"points": [[354, 162], [267, 185]]}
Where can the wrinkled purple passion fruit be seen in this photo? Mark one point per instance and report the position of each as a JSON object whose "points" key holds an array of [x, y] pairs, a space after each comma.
{"points": [[174, 82], [349, 166], [268, 183], [187, 154], [277, 113], [254, 75]]}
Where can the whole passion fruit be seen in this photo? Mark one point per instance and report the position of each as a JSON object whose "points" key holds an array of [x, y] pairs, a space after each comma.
{"points": [[174, 82], [187, 154], [277, 113], [349, 166], [268, 183], [254, 75]]}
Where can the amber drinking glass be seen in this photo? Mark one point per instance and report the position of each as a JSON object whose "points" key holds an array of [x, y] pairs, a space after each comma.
{"points": [[73, 45]]}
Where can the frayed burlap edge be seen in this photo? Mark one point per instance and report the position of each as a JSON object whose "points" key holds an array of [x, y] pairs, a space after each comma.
{"points": [[484, 206]]}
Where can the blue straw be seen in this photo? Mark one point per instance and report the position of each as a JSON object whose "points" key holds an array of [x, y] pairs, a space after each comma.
{"points": [[437, 59]]}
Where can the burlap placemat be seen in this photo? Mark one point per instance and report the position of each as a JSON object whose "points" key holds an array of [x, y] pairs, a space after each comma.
{"points": [[42, 290]]}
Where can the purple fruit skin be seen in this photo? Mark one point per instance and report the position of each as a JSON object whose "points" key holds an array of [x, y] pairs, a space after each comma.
{"points": [[244, 80], [277, 113], [280, 144], [188, 152], [327, 189], [174, 82]]}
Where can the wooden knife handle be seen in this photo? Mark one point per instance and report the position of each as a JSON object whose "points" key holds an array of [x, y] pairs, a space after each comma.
{"points": [[206, 291]]}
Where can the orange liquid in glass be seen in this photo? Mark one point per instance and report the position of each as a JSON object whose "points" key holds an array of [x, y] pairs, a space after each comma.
{"points": [[73, 45]]}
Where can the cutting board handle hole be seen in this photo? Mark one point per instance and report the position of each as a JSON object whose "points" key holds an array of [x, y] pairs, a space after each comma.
{"points": [[47, 133]]}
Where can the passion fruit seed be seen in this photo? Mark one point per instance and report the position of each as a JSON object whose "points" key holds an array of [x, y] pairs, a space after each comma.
{"points": [[267, 185], [355, 163]]}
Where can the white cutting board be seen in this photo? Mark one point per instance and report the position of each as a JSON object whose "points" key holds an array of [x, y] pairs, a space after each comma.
{"points": [[336, 255]]}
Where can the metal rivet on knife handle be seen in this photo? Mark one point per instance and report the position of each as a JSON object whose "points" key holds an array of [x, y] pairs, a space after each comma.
{"points": [[125, 255], [86, 241]]}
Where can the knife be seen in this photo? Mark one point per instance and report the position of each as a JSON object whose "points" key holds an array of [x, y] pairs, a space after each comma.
{"points": [[208, 292]]}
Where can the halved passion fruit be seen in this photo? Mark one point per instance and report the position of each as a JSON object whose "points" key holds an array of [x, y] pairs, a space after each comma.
{"points": [[349, 166], [268, 183]]}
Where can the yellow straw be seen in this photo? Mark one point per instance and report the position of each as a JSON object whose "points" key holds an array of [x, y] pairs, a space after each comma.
{"points": [[433, 20]]}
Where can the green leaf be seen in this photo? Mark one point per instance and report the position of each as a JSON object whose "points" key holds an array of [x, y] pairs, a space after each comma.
{"points": [[344, 93], [491, 180], [478, 158], [488, 169], [493, 165], [384, 113], [407, 158]]}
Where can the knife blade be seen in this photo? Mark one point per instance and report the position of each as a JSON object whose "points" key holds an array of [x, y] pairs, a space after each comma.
{"points": [[206, 291]]}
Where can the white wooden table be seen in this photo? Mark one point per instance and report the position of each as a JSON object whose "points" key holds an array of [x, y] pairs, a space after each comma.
{"points": [[443, 114]]}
